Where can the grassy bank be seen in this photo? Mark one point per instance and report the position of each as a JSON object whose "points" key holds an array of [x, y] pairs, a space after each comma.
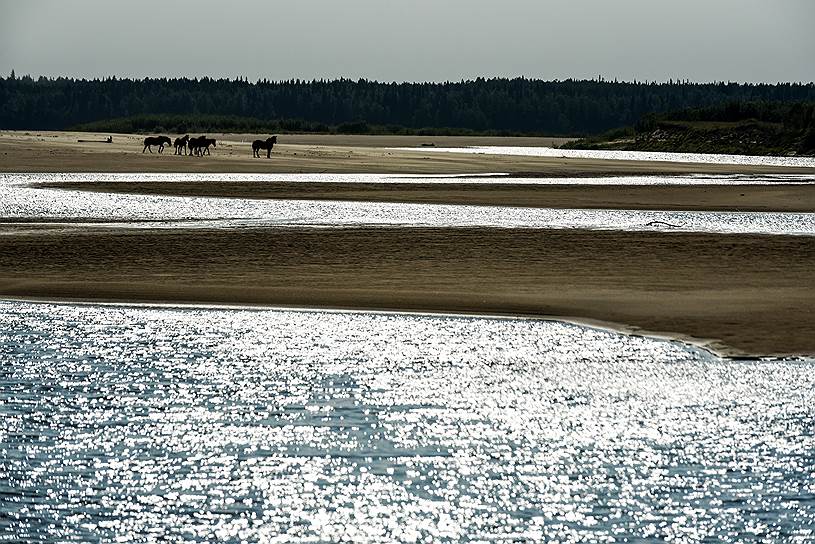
{"points": [[736, 128]]}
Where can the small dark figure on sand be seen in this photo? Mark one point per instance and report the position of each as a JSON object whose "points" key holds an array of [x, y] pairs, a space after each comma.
{"points": [[266, 144]]}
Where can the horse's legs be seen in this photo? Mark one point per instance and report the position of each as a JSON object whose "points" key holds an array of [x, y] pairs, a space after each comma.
{"points": [[269, 153], [145, 147]]}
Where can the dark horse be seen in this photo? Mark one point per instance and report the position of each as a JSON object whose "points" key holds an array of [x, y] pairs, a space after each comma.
{"points": [[200, 146], [181, 143], [160, 141], [205, 143], [266, 144], [195, 145]]}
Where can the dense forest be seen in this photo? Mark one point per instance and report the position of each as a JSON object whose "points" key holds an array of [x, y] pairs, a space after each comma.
{"points": [[754, 128], [499, 105]]}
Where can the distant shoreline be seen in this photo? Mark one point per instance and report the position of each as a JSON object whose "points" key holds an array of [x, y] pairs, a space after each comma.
{"points": [[33, 151]]}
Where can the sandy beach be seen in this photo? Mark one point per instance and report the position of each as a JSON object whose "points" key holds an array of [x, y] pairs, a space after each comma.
{"points": [[738, 295], [33, 151]]}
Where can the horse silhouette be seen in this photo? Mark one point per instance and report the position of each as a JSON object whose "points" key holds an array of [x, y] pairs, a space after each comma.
{"points": [[200, 145], [193, 144], [205, 143], [266, 144], [160, 141], [181, 143]]}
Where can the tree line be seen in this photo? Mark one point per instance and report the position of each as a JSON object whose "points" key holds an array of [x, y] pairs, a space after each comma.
{"points": [[498, 105]]}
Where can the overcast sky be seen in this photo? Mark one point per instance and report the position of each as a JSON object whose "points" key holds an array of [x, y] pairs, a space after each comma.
{"points": [[412, 40]]}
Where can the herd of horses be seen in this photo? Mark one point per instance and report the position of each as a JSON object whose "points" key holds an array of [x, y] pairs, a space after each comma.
{"points": [[198, 147]]}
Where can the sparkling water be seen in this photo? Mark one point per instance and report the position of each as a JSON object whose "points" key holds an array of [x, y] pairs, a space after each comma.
{"points": [[170, 424]]}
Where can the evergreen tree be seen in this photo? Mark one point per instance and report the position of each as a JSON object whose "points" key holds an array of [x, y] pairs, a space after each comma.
{"points": [[498, 105]]}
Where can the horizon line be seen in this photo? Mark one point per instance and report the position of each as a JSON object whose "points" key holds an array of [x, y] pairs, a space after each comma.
{"points": [[265, 80]]}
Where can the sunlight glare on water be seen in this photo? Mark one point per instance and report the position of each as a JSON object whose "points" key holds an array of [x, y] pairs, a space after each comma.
{"points": [[202, 425], [18, 202], [659, 156], [486, 178]]}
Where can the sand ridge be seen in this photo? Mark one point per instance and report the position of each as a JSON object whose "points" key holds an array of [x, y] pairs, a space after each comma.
{"points": [[750, 295]]}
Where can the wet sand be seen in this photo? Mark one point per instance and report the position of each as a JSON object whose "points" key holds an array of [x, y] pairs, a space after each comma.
{"points": [[33, 151], [787, 197], [738, 294]]}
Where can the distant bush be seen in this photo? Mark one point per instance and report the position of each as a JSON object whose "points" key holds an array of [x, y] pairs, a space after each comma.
{"points": [[193, 124], [754, 128], [360, 127]]}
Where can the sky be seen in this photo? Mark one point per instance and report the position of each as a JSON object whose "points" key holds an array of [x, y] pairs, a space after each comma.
{"points": [[415, 40]]}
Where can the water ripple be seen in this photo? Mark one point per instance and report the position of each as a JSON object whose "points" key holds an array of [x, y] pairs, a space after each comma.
{"points": [[145, 424]]}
